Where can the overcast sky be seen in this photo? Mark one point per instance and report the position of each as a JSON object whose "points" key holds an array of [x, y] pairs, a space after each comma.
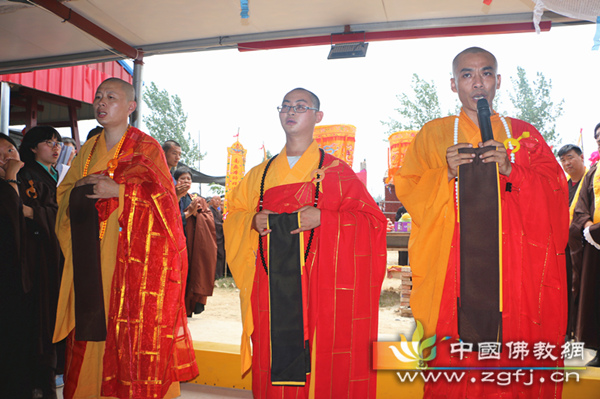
{"points": [[224, 90]]}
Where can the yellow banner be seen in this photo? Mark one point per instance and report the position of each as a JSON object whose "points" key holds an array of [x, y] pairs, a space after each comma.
{"points": [[236, 168], [337, 140], [399, 143]]}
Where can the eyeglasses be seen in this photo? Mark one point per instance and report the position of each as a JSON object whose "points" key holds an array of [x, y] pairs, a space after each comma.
{"points": [[53, 144], [284, 109]]}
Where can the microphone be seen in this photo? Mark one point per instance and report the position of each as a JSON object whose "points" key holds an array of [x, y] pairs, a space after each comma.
{"points": [[485, 125]]}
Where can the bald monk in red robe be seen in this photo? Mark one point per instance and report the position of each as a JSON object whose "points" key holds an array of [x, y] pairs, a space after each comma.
{"points": [[533, 209], [121, 303], [306, 245]]}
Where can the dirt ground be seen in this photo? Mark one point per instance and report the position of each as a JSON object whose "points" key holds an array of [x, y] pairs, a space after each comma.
{"points": [[221, 321]]}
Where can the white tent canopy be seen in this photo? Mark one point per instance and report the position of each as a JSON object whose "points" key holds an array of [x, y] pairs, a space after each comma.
{"points": [[36, 34]]}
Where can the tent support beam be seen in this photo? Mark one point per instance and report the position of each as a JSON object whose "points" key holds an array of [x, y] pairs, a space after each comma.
{"points": [[68, 15], [138, 68], [4, 107]]}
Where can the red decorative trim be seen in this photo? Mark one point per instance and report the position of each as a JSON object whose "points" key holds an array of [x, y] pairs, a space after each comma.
{"points": [[395, 35]]}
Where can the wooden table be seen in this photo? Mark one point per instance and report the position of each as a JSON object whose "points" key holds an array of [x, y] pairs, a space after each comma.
{"points": [[397, 241]]}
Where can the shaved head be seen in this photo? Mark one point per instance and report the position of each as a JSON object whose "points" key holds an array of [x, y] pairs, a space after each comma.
{"points": [[125, 86], [471, 50], [316, 103]]}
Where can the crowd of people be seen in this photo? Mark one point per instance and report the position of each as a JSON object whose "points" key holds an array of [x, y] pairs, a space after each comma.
{"points": [[75, 286], [31, 278], [104, 267]]}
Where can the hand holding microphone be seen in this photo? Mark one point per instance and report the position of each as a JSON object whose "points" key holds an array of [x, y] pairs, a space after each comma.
{"points": [[498, 155], [485, 125]]}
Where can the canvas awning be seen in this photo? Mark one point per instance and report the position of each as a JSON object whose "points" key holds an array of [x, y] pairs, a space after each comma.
{"points": [[38, 34], [199, 177]]}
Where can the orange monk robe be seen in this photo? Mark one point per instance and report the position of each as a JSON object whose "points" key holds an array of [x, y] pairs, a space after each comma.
{"points": [[90, 372], [534, 232], [348, 215]]}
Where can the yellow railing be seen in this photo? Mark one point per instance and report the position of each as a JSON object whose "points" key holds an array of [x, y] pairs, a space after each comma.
{"points": [[219, 365]]}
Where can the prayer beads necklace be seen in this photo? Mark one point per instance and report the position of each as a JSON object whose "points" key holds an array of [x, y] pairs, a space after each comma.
{"points": [[260, 207], [111, 165], [506, 129]]}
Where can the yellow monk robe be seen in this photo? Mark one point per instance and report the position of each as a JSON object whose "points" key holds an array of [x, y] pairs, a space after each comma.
{"points": [[241, 241], [422, 186], [90, 374], [348, 215], [534, 226]]}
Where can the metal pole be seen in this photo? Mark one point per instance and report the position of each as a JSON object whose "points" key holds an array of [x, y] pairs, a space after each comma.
{"points": [[138, 67], [4, 107], [199, 152]]}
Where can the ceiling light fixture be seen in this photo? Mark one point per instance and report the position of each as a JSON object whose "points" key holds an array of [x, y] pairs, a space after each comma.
{"points": [[352, 49]]}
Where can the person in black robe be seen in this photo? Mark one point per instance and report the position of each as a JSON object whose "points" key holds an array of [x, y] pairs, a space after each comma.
{"points": [[16, 327], [571, 159], [402, 255], [39, 150]]}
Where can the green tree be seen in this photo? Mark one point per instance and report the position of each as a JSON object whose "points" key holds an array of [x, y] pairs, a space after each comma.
{"points": [[415, 112], [534, 104], [216, 189], [167, 121]]}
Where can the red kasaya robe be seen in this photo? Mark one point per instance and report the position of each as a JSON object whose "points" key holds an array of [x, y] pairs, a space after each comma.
{"points": [[344, 273], [534, 234], [148, 346]]}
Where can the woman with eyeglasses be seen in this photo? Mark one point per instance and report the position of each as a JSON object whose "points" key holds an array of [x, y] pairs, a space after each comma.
{"points": [[39, 150]]}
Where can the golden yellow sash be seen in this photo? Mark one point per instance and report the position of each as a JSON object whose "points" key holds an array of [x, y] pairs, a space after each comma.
{"points": [[576, 197], [597, 195]]}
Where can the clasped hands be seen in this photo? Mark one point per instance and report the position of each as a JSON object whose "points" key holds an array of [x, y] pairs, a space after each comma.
{"points": [[104, 186], [197, 204], [499, 155], [310, 217]]}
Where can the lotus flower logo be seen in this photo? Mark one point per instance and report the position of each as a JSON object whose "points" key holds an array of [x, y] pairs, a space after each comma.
{"points": [[413, 351], [405, 355]]}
